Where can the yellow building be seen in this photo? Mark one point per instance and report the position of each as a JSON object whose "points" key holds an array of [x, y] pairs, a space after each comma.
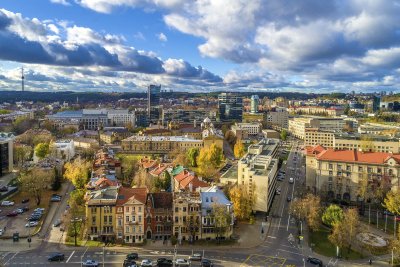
{"points": [[100, 213], [298, 125], [187, 216], [337, 173]]}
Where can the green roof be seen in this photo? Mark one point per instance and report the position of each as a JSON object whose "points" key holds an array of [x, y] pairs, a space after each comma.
{"points": [[176, 170]]}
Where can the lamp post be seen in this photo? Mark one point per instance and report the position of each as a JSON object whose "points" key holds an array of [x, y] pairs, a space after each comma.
{"points": [[393, 255]]}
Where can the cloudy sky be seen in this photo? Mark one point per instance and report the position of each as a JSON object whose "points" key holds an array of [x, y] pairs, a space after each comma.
{"points": [[201, 45]]}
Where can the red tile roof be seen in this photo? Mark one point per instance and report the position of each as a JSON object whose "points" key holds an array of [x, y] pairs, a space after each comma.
{"points": [[351, 155], [185, 178], [126, 193], [148, 163], [159, 169]]}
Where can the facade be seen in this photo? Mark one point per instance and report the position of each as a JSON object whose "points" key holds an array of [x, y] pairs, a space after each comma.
{"points": [[298, 125], [159, 216], [6, 153], [130, 215], [120, 117], [187, 216], [313, 137], [378, 129], [100, 213], [278, 117], [114, 135], [318, 110], [153, 103], [251, 128], [337, 173], [159, 144], [255, 100], [257, 171], [64, 149], [230, 107]]}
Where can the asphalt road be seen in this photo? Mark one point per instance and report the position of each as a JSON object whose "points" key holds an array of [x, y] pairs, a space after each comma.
{"points": [[276, 250]]}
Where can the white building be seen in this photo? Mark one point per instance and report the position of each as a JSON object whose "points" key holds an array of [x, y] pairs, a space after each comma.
{"points": [[298, 125], [64, 149], [251, 128], [278, 117], [120, 117], [6, 153]]}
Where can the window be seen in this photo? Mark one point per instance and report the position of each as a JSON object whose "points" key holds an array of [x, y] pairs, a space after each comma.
{"points": [[105, 219], [140, 218], [330, 166], [176, 209], [176, 219], [127, 229], [127, 209], [133, 218], [348, 168], [140, 209], [360, 169], [184, 209], [127, 219], [110, 219], [119, 222], [93, 219]]}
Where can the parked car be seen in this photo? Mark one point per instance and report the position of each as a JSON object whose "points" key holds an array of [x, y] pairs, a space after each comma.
{"points": [[206, 263], [57, 223], [3, 188], [92, 263], [289, 199], [146, 263], [39, 209], [31, 224], [56, 257], [130, 263], [25, 200], [182, 262], [315, 261], [12, 213], [55, 199], [19, 210], [291, 180], [132, 256], [278, 191], [195, 257], [163, 262], [7, 203], [1, 232]]}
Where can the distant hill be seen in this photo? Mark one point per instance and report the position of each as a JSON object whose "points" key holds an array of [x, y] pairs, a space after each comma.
{"points": [[13, 96]]}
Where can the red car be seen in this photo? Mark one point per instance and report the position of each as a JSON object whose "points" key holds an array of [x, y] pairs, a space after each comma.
{"points": [[12, 214]]}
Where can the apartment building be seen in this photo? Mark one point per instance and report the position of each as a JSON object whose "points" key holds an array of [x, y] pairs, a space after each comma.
{"points": [[278, 117], [313, 137], [64, 149], [250, 128], [130, 215], [257, 171], [336, 174], [159, 144], [6, 153], [159, 215], [187, 216], [100, 213], [298, 125], [210, 198]]}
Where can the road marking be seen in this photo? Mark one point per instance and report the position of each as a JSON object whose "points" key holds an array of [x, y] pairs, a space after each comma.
{"points": [[271, 236], [70, 256], [11, 258], [290, 251]]}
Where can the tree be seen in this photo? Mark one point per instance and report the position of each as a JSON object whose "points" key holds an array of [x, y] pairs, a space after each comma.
{"points": [[35, 181], [392, 202], [167, 181], [57, 180], [308, 208], [283, 135], [22, 153], [78, 172], [367, 143], [192, 155], [242, 201], [216, 155], [179, 157], [222, 220], [239, 150], [130, 167], [333, 214], [42, 150], [230, 137]]}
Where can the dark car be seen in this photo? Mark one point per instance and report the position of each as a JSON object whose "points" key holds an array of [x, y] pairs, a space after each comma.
{"points": [[163, 262], [25, 209], [26, 200], [55, 199], [315, 261], [132, 256], [4, 188], [206, 263], [289, 199], [56, 257], [129, 263], [12, 214]]}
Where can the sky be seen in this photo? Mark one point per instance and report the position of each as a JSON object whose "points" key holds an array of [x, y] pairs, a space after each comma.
{"points": [[201, 45]]}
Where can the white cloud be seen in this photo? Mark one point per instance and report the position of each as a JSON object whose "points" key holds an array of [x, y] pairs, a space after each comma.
{"points": [[62, 2], [162, 37]]}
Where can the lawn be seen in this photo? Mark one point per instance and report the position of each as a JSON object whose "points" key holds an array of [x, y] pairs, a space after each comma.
{"points": [[323, 246]]}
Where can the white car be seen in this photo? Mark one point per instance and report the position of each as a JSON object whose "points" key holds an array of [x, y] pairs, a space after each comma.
{"points": [[291, 180], [1, 232], [146, 263], [90, 263], [7, 203], [182, 262], [31, 224]]}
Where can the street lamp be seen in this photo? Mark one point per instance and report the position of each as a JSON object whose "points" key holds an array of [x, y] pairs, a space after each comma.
{"points": [[393, 255]]}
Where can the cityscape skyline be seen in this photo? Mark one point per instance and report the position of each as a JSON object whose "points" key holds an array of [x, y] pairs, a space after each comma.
{"points": [[97, 45]]}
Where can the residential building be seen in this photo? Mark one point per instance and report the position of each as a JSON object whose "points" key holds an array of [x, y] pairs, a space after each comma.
{"points": [[230, 107], [114, 135], [366, 143], [337, 174], [187, 181], [6, 153], [313, 137], [153, 103], [100, 214], [257, 171], [298, 125], [255, 101], [278, 117], [64, 149], [130, 215], [159, 216], [187, 216], [210, 198], [159, 144]]}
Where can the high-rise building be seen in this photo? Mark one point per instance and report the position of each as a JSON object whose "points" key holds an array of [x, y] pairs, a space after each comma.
{"points": [[6, 153], [254, 103], [230, 107], [153, 102]]}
